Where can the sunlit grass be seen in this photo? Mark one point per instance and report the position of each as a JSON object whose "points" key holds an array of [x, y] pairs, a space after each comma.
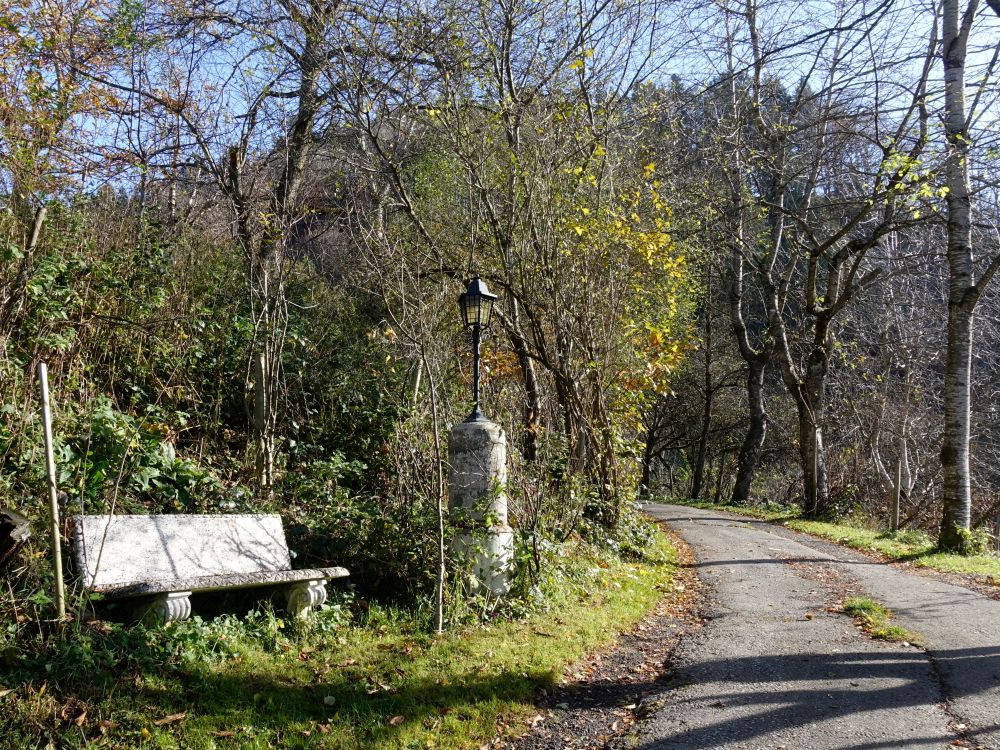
{"points": [[384, 683], [876, 620]]}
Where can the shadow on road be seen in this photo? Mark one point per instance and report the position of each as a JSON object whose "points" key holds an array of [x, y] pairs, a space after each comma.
{"points": [[744, 715]]}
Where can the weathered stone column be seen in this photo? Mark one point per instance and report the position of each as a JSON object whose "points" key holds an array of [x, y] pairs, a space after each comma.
{"points": [[477, 480]]}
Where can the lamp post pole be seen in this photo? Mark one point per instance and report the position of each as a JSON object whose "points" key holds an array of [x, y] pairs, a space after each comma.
{"points": [[477, 333]]}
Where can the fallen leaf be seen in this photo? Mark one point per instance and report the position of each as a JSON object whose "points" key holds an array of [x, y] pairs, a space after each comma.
{"points": [[395, 721], [170, 719], [6, 691], [73, 713]]}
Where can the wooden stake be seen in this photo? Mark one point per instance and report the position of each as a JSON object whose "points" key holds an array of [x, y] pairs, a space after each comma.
{"points": [[50, 466], [897, 491], [815, 500]]}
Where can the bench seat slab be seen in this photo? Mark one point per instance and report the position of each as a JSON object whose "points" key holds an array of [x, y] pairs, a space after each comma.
{"points": [[218, 582]]}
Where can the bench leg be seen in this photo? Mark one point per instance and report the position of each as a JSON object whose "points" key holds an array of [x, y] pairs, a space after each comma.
{"points": [[300, 598], [169, 607]]}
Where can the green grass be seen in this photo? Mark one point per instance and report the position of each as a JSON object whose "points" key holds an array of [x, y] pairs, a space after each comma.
{"points": [[876, 620], [383, 684], [910, 546]]}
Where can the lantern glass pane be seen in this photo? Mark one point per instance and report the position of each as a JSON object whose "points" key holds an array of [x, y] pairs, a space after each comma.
{"points": [[486, 310], [473, 311]]}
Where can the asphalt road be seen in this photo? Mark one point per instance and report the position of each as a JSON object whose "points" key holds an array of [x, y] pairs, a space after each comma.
{"points": [[774, 668]]}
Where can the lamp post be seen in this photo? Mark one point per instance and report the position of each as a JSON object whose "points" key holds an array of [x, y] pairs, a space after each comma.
{"points": [[477, 473], [476, 304]]}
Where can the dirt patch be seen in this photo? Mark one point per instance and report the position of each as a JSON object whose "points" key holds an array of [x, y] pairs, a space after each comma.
{"points": [[604, 694]]}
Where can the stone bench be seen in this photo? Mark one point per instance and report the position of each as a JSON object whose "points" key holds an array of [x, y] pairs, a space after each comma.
{"points": [[170, 557]]}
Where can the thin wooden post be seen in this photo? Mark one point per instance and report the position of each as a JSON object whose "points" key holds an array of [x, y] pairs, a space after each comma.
{"points": [[50, 466], [897, 490], [815, 500], [261, 395]]}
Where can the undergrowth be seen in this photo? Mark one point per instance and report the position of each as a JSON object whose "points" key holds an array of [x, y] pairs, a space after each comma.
{"points": [[360, 674]]}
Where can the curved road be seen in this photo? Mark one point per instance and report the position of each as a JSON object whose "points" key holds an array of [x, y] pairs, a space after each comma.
{"points": [[773, 668]]}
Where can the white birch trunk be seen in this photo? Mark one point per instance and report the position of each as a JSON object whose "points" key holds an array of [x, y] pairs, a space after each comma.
{"points": [[957, 506]]}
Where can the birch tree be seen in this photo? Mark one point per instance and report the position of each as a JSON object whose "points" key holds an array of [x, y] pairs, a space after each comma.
{"points": [[965, 285]]}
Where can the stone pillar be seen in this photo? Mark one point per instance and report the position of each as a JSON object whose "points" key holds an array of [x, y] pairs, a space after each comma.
{"points": [[477, 480]]}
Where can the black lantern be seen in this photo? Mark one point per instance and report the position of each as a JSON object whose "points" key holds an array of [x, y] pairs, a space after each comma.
{"points": [[476, 304]]}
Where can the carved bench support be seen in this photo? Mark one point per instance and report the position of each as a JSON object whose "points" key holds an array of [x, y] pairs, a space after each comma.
{"points": [[175, 605], [301, 598]]}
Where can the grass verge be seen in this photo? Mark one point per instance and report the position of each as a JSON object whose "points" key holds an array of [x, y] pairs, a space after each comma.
{"points": [[909, 546], [876, 620], [384, 683]]}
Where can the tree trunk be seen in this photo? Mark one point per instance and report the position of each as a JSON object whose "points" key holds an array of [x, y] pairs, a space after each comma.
{"points": [[646, 465], [757, 360], [753, 441], [720, 478], [813, 463], [957, 510], [698, 479], [957, 505], [532, 401]]}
